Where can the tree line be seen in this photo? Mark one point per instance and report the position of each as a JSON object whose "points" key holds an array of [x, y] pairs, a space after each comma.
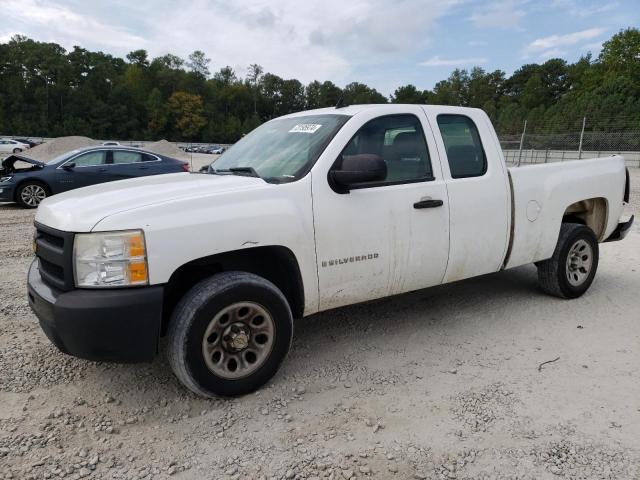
{"points": [[48, 91]]}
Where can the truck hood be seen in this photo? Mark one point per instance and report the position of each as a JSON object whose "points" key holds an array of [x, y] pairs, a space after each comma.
{"points": [[81, 209]]}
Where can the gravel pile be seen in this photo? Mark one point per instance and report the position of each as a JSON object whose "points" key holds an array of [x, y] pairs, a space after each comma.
{"points": [[478, 410], [572, 460], [58, 146], [163, 147]]}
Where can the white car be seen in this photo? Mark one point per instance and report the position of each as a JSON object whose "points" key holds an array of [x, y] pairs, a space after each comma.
{"points": [[8, 145], [309, 212]]}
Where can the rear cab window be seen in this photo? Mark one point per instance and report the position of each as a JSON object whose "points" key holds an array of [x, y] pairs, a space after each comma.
{"points": [[463, 145]]}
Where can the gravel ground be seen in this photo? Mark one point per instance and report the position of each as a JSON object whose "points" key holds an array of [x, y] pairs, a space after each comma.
{"points": [[438, 384]]}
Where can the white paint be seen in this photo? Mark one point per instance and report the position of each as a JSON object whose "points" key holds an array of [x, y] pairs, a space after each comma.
{"points": [[186, 217]]}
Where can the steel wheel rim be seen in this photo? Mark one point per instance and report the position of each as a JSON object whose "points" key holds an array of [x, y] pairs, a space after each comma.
{"points": [[32, 195], [238, 340], [579, 262]]}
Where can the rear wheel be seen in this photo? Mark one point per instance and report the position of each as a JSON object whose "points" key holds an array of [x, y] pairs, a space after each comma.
{"points": [[570, 271], [229, 334], [30, 194], [17, 150]]}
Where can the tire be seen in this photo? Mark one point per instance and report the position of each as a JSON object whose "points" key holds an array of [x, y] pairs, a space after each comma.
{"points": [[17, 150], [29, 194], [202, 345], [570, 271]]}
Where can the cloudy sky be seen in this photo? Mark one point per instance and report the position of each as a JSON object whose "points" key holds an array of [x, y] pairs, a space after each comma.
{"points": [[382, 43]]}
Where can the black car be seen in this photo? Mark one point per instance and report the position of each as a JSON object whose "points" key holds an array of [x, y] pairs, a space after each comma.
{"points": [[31, 143], [28, 182]]}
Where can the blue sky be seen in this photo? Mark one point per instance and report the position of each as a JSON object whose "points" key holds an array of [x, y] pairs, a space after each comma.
{"points": [[382, 43]]}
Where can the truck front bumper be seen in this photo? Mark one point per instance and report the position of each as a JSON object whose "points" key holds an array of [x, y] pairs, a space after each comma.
{"points": [[121, 325], [621, 230]]}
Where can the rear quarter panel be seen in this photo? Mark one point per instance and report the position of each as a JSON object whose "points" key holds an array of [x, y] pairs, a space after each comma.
{"points": [[542, 194]]}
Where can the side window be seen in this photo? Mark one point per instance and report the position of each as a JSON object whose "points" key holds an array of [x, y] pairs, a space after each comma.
{"points": [[400, 141], [123, 156], [91, 159], [464, 148]]}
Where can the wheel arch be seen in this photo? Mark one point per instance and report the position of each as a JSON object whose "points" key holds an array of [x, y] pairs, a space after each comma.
{"points": [[276, 263], [592, 212], [31, 180]]}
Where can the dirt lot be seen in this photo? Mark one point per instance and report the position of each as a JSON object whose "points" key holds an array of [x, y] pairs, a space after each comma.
{"points": [[442, 383]]}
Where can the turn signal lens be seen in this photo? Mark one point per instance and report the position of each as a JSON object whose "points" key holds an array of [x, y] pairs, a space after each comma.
{"points": [[137, 272], [136, 245]]}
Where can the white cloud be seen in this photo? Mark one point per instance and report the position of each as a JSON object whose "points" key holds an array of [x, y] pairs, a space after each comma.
{"points": [[53, 22], [553, 53], [304, 40], [498, 14], [551, 42], [451, 62], [581, 9]]}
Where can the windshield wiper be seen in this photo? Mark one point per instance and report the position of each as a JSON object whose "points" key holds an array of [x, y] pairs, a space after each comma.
{"points": [[247, 171]]}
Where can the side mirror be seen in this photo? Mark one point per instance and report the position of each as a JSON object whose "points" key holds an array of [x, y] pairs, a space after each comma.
{"points": [[68, 166], [357, 169], [204, 169]]}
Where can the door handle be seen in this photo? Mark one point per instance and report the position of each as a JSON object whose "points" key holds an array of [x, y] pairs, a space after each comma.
{"points": [[102, 170], [143, 168], [428, 204]]}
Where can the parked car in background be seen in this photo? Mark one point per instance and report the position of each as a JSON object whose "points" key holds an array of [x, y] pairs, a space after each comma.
{"points": [[28, 181], [8, 145], [31, 143], [216, 150]]}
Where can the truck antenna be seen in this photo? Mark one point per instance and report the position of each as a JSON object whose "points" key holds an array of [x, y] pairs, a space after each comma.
{"points": [[340, 103]]}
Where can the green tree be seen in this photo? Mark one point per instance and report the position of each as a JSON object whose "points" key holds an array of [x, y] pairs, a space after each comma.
{"points": [[186, 113], [199, 64]]}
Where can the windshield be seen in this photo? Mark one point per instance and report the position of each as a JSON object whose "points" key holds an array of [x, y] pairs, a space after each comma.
{"points": [[282, 150], [62, 157]]}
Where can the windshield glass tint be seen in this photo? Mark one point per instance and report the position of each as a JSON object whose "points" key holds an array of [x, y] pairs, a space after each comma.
{"points": [[285, 149], [62, 157]]}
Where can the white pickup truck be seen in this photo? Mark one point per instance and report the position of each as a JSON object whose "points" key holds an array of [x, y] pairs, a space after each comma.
{"points": [[309, 212]]}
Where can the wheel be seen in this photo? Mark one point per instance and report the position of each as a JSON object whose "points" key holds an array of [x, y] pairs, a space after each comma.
{"points": [[229, 334], [17, 150], [571, 269], [30, 194]]}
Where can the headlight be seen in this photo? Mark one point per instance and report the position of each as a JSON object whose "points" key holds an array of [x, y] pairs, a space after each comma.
{"points": [[5, 179], [110, 259]]}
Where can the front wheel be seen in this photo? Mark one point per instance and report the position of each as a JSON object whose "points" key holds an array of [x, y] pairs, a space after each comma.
{"points": [[17, 150], [570, 271], [30, 194], [229, 334]]}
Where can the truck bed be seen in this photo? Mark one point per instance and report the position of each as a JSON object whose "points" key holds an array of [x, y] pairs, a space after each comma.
{"points": [[543, 194]]}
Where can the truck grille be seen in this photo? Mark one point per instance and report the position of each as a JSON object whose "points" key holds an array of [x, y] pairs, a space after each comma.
{"points": [[54, 249]]}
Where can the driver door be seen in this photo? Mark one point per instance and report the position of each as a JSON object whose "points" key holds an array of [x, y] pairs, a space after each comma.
{"points": [[83, 170], [379, 239]]}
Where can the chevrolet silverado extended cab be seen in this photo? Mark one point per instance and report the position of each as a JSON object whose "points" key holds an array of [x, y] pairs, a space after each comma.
{"points": [[309, 212]]}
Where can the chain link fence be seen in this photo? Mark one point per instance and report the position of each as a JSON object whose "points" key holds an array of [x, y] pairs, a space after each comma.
{"points": [[528, 148]]}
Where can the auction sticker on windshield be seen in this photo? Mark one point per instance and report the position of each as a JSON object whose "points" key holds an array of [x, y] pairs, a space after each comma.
{"points": [[305, 128]]}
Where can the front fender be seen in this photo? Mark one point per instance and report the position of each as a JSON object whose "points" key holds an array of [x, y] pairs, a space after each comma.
{"points": [[180, 231]]}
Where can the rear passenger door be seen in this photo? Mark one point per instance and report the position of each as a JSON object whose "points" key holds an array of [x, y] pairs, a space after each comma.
{"points": [[478, 188], [129, 164]]}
